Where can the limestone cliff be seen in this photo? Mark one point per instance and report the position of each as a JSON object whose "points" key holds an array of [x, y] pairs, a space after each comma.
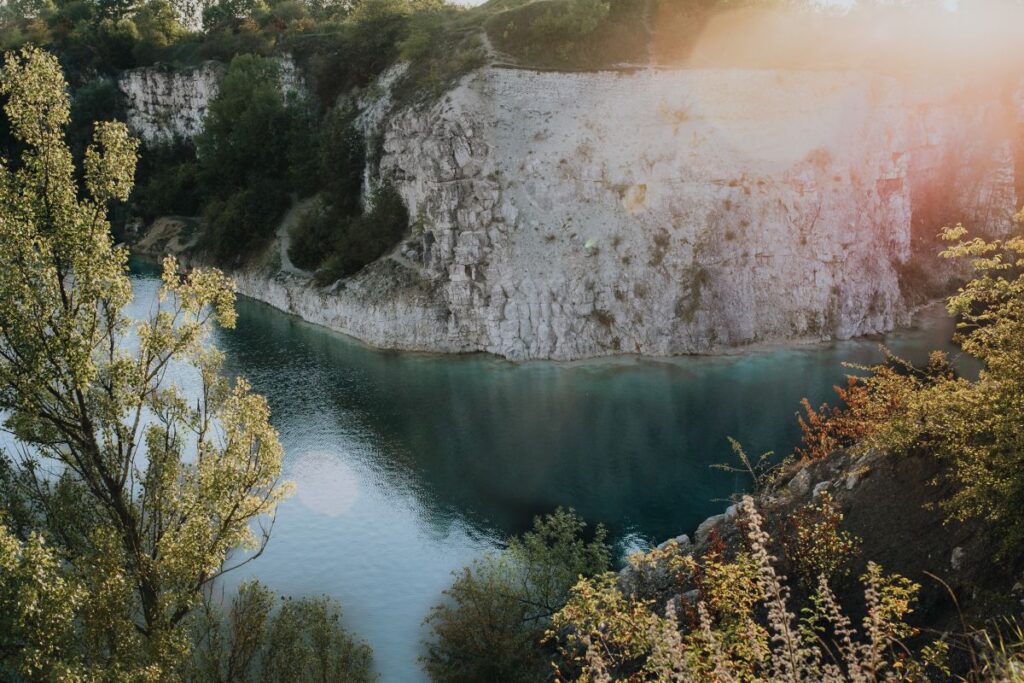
{"points": [[566, 215], [164, 103], [665, 212]]}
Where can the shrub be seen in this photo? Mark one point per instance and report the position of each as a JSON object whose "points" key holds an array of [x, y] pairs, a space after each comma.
{"points": [[244, 222], [342, 159], [572, 33], [311, 237], [975, 425], [158, 29], [829, 428], [868, 403], [492, 625], [547, 30], [364, 239], [815, 543], [300, 640], [355, 51], [167, 182], [483, 631], [442, 44], [224, 41], [763, 471]]}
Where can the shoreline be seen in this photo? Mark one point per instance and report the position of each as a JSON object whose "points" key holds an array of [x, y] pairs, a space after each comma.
{"points": [[918, 316]]}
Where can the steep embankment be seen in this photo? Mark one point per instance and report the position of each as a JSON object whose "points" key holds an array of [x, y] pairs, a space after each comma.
{"points": [[561, 215]]}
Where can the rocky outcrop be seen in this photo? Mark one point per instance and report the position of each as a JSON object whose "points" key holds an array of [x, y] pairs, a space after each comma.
{"points": [[165, 103], [567, 215]]}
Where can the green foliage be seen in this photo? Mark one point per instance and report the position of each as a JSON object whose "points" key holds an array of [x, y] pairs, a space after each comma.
{"points": [[312, 236], [241, 224], [167, 182], [339, 163], [94, 37], [342, 159], [547, 29], [492, 625], [355, 50], [158, 29], [364, 239], [483, 632], [973, 425], [127, 498], [442, 45], [982, 435], [300, 640], [248, 158], [815, 543], [241, 126], [342, 44], [97, 100], [554, 555], [572, 33]]}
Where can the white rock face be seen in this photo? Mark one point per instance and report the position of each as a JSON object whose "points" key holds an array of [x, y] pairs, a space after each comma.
{"points": [[165, 103], [571, 215], [664, 212]]}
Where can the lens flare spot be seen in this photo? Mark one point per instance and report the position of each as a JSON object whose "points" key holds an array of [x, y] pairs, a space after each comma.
{"points": [[324, 483]]}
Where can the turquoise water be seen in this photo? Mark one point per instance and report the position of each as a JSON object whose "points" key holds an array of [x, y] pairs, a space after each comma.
{"points": [[410, 465]]}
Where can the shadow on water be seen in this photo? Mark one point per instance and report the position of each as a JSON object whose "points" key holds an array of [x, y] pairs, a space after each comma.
{"points": [[410, 465]]}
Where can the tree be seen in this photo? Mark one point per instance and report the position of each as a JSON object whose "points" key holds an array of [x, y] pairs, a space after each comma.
{"points": [[124, 494], [974, 425], [300, 641], [493, 625], [159, 27], [244, 152]]}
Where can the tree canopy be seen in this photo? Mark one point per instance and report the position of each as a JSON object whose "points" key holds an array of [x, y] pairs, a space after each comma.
{"points": [[123, 497]]}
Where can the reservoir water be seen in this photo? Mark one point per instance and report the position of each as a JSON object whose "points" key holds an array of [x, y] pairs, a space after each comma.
{"points": [[410, 465]]}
